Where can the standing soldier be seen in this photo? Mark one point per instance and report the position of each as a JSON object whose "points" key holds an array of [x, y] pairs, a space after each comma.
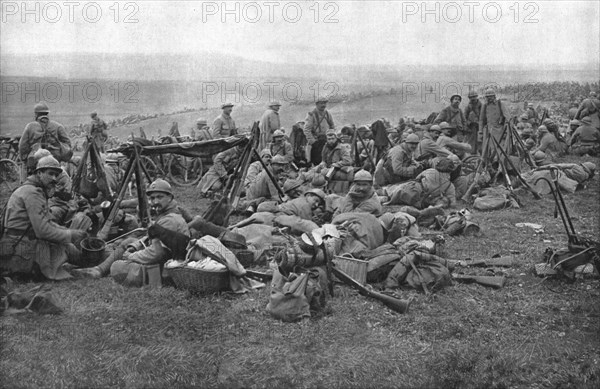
{"points": [[532, 116], [98, 131], [202, 131], [453, 116], [224, 125], [492, 118], [472, 112], [269, 123], [45, 134], [317, 123]]}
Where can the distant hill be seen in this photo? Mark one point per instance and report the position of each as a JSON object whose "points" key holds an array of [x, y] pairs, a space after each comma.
{"points": [[119, 85]]}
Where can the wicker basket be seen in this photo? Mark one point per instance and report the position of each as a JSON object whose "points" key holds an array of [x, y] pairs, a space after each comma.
{"points": [[200, 281], [355, 268]]}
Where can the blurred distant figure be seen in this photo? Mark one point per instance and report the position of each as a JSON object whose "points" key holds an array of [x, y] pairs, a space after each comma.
{"points": [[174, 131], [98, 131], [202, 131], [269, 123], [472, 112]]}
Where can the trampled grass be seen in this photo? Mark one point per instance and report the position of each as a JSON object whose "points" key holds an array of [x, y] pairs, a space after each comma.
{"points": [[533, 333]]}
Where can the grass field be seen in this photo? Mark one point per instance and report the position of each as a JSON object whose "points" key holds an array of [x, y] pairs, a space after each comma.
{"points": [[533, 333]]}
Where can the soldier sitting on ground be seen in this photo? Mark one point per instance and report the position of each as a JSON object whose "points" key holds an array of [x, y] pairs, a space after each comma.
{"points": [[33, 244]]}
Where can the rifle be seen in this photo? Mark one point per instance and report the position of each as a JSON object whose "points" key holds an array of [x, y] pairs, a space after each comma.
{"points": [[108, 222], [526, 185], [501, 261], [480, 166], [264, 277], [271, 177], [373, 163], [397, 305], [491, 281]]}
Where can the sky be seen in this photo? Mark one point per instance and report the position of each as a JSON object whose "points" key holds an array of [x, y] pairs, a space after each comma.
{"points": [[314, 32]]}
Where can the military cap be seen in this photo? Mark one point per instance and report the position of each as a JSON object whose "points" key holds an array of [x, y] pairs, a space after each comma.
{"points": [[539, 156], [265, 152], [317, 192], [445, 126], [41, 153], [278, 133], [48, 162], [279, 160], [362, 176], [41, 107], [322, 100], [201, 121], [94, 114], [453, 96], [159, 185], [226, 105], [331, 131], [274, 104], [318, 181], [412, 138], [490, 92], [586, 120], [472, 94]]}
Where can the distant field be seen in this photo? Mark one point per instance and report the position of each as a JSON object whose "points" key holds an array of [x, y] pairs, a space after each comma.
{"points": [[167, 97]]}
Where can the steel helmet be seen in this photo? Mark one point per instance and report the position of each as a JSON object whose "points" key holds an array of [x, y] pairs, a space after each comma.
{"points": [[201, 121], [435, 127], [412, 138], [489, 93], [278, 133], [318, 182], [317, 192], [291, 184], [274, 104], [445, 126], [363, 175], [265, 152], [160, 185], [539, 156], [472, 94], [48, 162], [453, 96], [41, 107]]}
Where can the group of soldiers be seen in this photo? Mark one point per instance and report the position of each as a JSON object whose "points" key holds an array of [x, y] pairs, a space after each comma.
{"points": [[42, 231]]}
